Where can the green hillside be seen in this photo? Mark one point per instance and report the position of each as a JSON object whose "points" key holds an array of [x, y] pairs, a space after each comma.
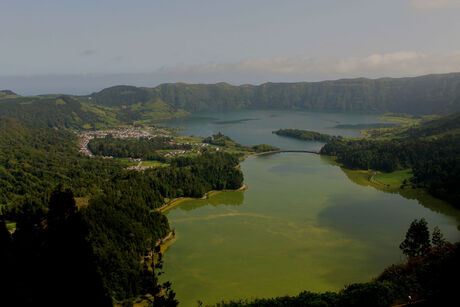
{"points": [[33, 160], [446, 125], [63, 111], [5, 94], [431, 149], [305, 135], [431, 94]]}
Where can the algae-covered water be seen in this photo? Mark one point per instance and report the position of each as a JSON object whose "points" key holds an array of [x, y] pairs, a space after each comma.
{"points": [[303, 224]]}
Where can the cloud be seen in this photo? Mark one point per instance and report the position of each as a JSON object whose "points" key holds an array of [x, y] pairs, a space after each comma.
{"points": [[252, 71], [401, 63], [117, 58], [433, 4], [88, 52]]}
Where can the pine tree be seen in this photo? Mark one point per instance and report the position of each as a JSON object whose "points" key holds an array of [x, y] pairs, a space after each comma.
{"points": [[437, 238], [417, 241]]}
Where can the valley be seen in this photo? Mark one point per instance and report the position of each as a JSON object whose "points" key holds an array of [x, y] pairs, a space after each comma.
{"points": [[306, 210]]}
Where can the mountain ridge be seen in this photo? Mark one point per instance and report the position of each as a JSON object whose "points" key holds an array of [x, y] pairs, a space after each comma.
{"points": [[123, 104], [427, 94]]}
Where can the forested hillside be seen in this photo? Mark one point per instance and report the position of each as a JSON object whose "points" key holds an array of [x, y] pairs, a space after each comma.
{"points": [[446, 125], [431, 94], [5, 94], [144, 148], [63, 111], [33, 160], [116, 225], [73, 217], [305, 135], [431, 150], [420, 95]]}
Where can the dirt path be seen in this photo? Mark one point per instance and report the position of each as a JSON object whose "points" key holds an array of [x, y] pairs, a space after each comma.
{"points": [[372, 180]]}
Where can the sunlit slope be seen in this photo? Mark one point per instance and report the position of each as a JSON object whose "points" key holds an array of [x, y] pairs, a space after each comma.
{"points": [[5, 94], [430, 94], [63, 111]]}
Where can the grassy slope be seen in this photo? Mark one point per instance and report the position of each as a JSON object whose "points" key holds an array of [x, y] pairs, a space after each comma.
{"points": [[65, 111], [404, 122], [422, 128], [134, 105], [153, 164], [394, 179], [6, 94]]}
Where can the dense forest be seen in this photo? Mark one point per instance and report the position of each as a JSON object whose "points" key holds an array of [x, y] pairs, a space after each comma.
{"points": [[93, 211], [60, 111], [64, 111], [222, 140], [59, 255], [145, 148], [427, 278], [33, 160], [305, 135], [431, 150], [430, 94], [86, 229], [449, 124]]}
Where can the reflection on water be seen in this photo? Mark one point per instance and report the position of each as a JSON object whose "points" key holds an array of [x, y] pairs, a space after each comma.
{"points": [[301, 225], [420, 195], [304, 224], [235, 121], [231, 198]]}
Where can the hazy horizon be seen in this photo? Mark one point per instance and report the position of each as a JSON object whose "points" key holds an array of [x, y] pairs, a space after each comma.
{"points": [[87, 84], [81, 47]]}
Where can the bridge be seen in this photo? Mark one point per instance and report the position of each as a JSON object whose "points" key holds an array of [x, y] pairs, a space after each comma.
{"points": [[287, 150]]}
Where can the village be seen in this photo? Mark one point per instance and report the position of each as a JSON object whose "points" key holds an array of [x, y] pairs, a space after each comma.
{"points": [[137, 133]]}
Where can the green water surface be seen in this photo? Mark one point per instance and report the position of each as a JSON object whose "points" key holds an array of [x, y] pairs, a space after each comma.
{"points": [[304, 223]]}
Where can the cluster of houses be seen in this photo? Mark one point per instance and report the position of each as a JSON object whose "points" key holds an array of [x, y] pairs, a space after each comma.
{"points": [[83, 145], [176, 153], [148, 133], [134, 133], [182, 152]]}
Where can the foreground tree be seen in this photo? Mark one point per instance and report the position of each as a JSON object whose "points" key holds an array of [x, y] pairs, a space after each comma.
{"points": [[417, 241], [68, 258], [48, 261], [438, 239]]}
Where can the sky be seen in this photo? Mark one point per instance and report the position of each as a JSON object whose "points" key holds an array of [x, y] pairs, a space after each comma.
{"points": [[80, 46]]}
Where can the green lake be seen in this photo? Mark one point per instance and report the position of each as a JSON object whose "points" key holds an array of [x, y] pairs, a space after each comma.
{"points": [[303, 224]]}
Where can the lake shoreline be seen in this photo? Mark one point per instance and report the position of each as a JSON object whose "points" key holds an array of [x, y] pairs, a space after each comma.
{"points": [[176, 201], [221, 230], [169, 239]]}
